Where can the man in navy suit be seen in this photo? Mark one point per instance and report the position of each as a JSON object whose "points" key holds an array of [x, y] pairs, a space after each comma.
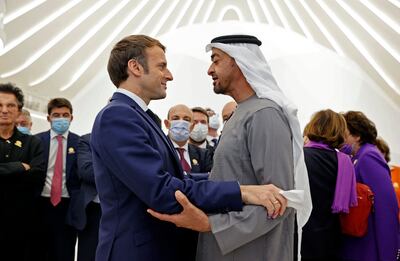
{"points": [[88, 211], [61, 185], [137, 168], [195, 161], [179, 125]]}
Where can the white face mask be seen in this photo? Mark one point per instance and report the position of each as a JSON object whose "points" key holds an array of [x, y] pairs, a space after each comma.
{"points": [[179, 130], [214, 122], [199, 132]]}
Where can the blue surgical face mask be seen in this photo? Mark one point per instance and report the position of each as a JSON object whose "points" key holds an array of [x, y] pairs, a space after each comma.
{"points": [[24, 130], [179, 130], [60, 125]]}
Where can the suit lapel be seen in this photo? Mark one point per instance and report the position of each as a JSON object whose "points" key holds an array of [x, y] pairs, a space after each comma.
{"points": [[167, 142], [18, 144], [171, 149], [46, 146], [70, 154], [194, 159]]}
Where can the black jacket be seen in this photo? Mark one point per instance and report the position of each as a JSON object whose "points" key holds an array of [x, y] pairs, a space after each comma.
{"points": [[321, 234], [19, 188], [200, 159]]}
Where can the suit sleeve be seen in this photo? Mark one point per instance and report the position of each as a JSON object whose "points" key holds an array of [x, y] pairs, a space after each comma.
{"points": [[37, 173], [136, 158], [270, 149], [11, 168], [375, 173], [74, 182], [208, 159], [36, 162], [35, 176], [85, 163]]}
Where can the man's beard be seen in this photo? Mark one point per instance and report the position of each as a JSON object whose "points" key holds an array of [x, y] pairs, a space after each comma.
{"points": [[218, 89]]}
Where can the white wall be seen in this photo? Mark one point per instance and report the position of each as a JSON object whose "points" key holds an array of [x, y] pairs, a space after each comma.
{"points": [[312, 76]]}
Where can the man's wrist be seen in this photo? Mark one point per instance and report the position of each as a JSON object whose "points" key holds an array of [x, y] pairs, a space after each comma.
{"points": [[245, 193], [208, 226]]}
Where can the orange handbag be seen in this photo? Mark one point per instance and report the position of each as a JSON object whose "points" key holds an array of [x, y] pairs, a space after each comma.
{"points": [[355, 223]]}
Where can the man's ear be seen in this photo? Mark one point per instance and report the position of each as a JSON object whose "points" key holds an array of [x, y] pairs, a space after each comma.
{"points": [[135, 68], [167, 124], [48, 118]]}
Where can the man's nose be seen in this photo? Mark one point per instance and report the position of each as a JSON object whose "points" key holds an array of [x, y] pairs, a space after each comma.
{"points": [[3, 109], [169, 76], [210, 70]]}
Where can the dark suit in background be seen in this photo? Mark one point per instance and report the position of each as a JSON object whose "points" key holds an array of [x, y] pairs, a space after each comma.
{"points": [[19, 193], [88, 213], [200, 159], [59, 236]]}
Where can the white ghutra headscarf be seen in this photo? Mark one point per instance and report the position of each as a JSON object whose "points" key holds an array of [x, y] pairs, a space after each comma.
{"points": [[258, 74]]}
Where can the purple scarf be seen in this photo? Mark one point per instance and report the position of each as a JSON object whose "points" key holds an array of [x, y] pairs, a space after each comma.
{"points": [[345, 191]]}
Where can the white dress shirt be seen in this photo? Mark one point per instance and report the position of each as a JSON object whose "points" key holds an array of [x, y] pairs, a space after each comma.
{"points": [[51, 163], [185, 153], [210, 140], [203, 145], [134, 97]]}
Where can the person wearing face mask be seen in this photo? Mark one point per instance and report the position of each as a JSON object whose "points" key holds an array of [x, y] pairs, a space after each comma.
{"points": [[198, 136], [24, 122], [180, 125], [213, 126], [62, 184], [194, 160]]}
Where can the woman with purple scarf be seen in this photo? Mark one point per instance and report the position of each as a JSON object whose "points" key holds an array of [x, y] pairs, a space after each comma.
{"points": [[332, 184], [381, 241]]}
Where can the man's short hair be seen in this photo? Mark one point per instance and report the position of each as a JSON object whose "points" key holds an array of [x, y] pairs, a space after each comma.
{"points": [[58, 103], [12, 89], [200, 110], [210, 111], [130, 47], [27, 114]]}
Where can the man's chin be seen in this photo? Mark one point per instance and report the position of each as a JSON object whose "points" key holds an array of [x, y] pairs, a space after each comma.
{"points": [[218, 90], [160, 96]]}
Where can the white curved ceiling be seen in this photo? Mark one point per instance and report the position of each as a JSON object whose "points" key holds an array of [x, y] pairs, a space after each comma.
{"points": [[54, 48]]}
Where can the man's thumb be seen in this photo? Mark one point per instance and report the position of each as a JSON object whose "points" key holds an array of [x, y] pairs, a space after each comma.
{"points": [[181, 198]]}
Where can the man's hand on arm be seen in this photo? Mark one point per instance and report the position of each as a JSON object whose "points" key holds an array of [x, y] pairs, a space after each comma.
{"points": [[191, 217], [265, 195], [26, 166]]}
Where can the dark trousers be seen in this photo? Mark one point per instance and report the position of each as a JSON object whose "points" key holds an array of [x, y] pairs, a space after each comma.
{"points": [[88, 237], [17, 222], [58, 238], [15, 241]]}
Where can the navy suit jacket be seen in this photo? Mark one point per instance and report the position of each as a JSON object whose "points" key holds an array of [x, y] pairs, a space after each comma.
{"points": [[200, 159], [88, 189], [72, 179], [136, 168]]}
